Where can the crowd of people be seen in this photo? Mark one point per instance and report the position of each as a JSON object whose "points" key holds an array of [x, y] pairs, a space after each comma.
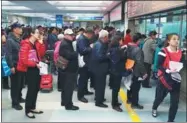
{"points": [[92, 53]]}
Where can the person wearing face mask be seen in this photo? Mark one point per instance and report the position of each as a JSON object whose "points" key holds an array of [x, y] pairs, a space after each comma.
{"points": [[99, 67], [169, 79], [69, 73], [13, 47], [84, 49], [34, 42]]}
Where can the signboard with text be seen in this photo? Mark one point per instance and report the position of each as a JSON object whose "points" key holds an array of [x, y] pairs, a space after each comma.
{"points": [[116, 14], [59, 21], [138, 8]]}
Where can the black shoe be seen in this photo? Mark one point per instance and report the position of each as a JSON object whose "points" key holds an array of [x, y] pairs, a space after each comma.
{"points": [[129, 102], [118, 104], [36, 112], [72, 108], [84, 100], [62, 104], [147, 86], [7, 88], [137, 106], [89, 93], [30, 115], [59, 90], [154, 113], [170, 121], [102, 105], [117, 108], [22, 100], [17, 107]]}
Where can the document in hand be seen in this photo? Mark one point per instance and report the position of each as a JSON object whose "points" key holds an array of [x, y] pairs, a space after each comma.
{"points": [[43, 68], [175, 66]]}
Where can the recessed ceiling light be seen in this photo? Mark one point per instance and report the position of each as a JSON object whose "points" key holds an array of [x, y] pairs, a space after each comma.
{"points": [[15, 8]]}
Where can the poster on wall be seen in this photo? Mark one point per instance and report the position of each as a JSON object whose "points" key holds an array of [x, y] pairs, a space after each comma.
{"points": [[59, 21], [116, 14], [138, 8]]}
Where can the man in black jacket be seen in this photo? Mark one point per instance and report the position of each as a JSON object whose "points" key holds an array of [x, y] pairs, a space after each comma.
{"points": [[13, 46], [70, 72], [84, 49], [99, 66]]}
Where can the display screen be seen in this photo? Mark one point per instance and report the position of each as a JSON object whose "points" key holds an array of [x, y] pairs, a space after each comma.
{"points": [[137, 8], [115, 15]]}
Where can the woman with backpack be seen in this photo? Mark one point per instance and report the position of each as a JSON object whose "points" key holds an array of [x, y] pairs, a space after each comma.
{"points": [[136, 59], [169, 79]]}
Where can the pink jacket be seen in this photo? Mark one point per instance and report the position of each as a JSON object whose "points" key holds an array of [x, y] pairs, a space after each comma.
{"points": [[56, 52]]}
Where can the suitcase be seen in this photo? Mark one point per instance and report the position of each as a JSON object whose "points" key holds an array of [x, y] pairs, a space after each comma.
{"points": [[46, 84]]}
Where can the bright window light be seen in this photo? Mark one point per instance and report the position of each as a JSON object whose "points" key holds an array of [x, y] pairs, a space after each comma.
{"points": [[5, 3], [80, 8], [15, 8]]}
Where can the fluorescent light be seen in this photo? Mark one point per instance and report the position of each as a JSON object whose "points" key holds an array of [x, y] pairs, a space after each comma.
{"points": [[85, 14], [15, 8], [80, 3], [7, 3], [80, 8], [33, 14]]}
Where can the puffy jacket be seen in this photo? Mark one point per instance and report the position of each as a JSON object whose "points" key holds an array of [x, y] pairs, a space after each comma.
{"points": [[66, 50], [25, 47], [56, 52]]}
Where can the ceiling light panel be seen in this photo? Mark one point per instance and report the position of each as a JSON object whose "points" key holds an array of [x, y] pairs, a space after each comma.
{"points": [[15, 8], [80, 8], [7, 3], [79, 3]]}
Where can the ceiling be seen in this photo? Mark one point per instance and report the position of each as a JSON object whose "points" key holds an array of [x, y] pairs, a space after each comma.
{"points": [[51, 8]]}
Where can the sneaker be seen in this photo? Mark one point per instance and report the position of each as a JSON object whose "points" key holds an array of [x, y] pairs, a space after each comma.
{"points": [[154, 113]]}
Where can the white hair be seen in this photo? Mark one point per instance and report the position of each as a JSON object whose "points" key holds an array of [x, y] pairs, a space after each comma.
{"points": [[103, 33], [60, 36]]}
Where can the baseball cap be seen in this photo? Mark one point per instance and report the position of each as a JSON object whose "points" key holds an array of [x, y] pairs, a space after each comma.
{"points": [[68, 32], [15, 25]]}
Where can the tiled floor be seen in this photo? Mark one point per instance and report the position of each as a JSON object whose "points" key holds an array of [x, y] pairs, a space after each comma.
{"points": [[53, 112]]}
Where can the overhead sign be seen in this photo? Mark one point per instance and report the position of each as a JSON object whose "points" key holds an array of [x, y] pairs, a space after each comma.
{"points": [[138, 8], [59, 21], [86, 18], [116, 14]]}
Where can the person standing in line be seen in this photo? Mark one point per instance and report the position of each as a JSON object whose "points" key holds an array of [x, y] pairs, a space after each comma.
{"points": [[99, 66], [117, 59], [127, 38], [84, 49], [31, 66], [13, 47], [70, 72], [169, 79], [148, 50], [138, 71], [4, 79]]}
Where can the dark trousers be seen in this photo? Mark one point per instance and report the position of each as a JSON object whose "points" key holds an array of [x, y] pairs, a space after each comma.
{"points": [[4, 80], [83, 82], [100, 84], [161, 93], [68, 86], [33, 85], [59, 80], [91, 79], [133, 93], [116, 82], [146, 82], [17, 80]]}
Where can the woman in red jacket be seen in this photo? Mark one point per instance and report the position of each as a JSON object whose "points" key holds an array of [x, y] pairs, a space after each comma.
{"points": [[32, 50]]}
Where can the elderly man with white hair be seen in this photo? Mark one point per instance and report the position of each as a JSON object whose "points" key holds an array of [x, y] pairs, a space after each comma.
{"points": [[99, 67]]}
